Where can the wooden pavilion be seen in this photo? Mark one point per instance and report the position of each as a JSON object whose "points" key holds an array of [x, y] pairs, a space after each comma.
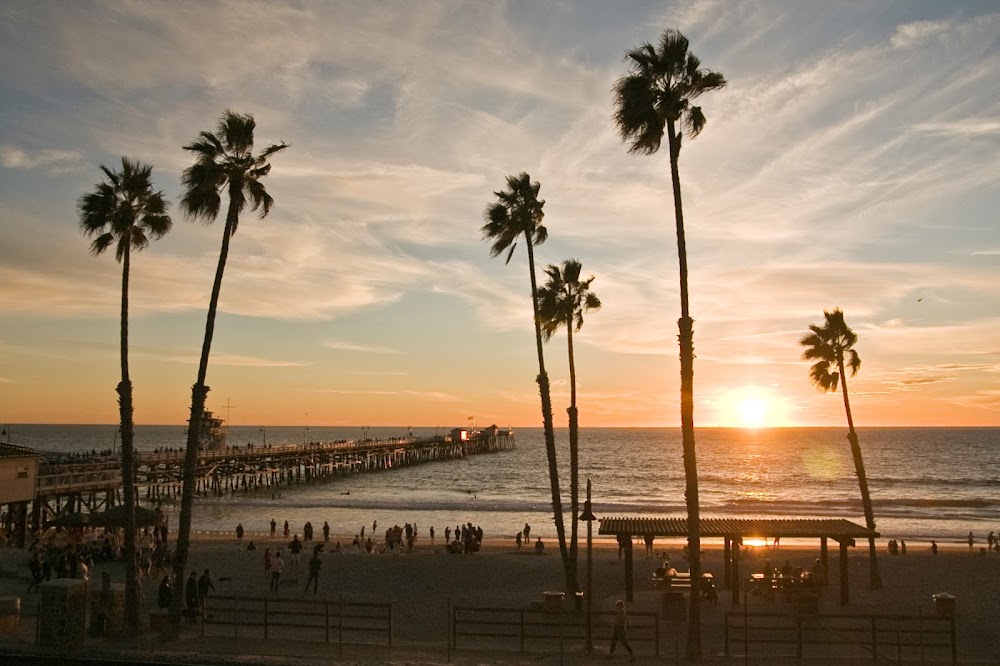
{"points": [[733, 531]]}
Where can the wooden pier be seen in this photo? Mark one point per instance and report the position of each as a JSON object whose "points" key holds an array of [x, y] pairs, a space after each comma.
{"points": [[94, 486]]}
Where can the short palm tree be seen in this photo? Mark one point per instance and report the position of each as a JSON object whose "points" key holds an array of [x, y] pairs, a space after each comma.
{"points": [[562, 301], [653, 98], [125, 211], [831, 346], [224, 161], [518, 212]]}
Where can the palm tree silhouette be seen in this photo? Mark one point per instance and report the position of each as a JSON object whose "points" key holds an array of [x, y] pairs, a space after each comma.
{"points": [[832, 347], [655, 96], [517, 212], [125, 211], [562, 301], [224, 160]]}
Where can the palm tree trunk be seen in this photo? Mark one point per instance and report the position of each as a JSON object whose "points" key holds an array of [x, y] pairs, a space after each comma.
{"points": [[686, 339], [550, 438], [875, 578], [125, 408], [574, 457], [199, 392]]}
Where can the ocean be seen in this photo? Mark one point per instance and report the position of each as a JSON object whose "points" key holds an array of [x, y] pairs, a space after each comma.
{"points": [[926, 483]]}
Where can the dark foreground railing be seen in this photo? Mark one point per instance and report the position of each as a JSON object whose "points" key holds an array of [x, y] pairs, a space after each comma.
{"points": [[329, 620], [539, 630], [878, 637]]}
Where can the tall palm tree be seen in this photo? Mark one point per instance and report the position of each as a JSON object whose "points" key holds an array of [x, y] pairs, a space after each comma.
{"points": [[224, 160], [125, 211], [517, 212], [562, 301], [655, 96], [832, 348]]}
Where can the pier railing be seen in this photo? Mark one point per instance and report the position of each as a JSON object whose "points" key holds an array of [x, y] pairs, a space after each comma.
{"points": [[329, 620], [537, 630], [876, 637]]}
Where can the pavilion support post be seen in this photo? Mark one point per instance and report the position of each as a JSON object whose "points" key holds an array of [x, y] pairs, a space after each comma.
{"points": [[845, 595], [629, 573], [727, 562], [735, 579], [824, 557]]}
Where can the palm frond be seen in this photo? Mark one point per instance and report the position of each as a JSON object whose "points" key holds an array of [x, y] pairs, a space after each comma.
{"points": [[236, 131], [102, 243], [259, 198], [636, 116]]}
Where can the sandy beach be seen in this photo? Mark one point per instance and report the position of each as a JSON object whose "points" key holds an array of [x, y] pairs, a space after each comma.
{"points": [[422, 585]]}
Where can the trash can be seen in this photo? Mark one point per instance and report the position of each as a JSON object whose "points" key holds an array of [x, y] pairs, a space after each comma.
{"points": [[944, 604], [674, 607], [554, 601]]}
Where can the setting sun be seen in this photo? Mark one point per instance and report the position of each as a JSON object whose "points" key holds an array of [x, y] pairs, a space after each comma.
{"points": [[752, 412], [751, 407]]}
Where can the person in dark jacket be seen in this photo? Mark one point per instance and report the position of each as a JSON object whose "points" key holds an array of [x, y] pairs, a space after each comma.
{"points": [[165, 593], [191, 596], [204, 586]]}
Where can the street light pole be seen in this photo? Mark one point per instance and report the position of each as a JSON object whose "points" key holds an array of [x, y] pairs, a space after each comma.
{"points": [[588, 515]]}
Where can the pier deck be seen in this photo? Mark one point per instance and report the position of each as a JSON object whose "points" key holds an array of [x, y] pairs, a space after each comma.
{"points": [[93, 486]]}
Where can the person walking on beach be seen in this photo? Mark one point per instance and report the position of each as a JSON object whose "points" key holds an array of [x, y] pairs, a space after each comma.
{"points": [[204, 586], [326, 532], [315, 564], [527, 533], [902, 546], [432, 535], [972, 540], [191, 596], [274, 527], [286, 531], [517, 540], [933, 547], [295, 547], [277, 566], [621, 631], [239, 534]]}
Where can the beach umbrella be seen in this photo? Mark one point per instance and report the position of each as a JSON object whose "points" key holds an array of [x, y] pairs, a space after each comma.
{"points": [[115, 517], [71, 520]]}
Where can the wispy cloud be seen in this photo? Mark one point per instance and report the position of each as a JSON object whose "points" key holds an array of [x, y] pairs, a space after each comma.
{"points": [[343, 345], [234, 360], [54, 161], [419, 395], [909, 34]]}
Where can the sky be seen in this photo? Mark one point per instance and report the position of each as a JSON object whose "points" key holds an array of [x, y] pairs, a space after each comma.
{"points": [[852, 161]]}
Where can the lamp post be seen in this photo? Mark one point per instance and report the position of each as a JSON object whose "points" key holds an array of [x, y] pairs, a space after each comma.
{"points": [[588, 515]]}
